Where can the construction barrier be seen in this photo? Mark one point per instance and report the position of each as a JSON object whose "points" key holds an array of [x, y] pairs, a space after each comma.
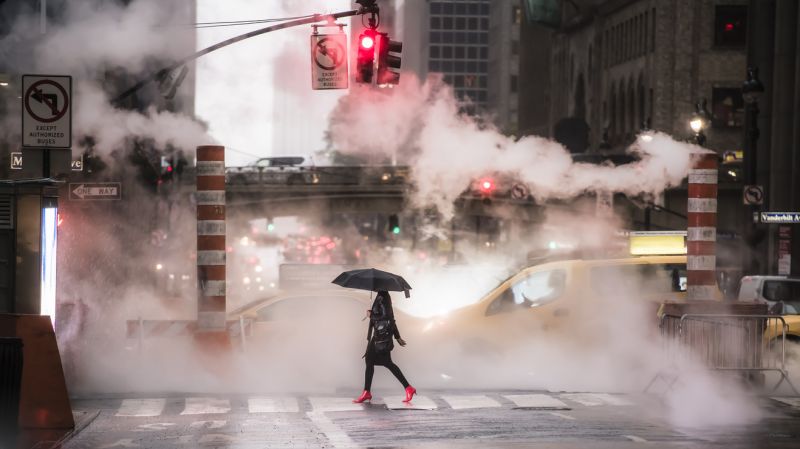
{"points": [[743, 343], [10, 385], [141, 329]]}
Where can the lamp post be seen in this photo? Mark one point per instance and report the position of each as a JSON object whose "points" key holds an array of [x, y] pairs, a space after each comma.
{"points": [[699, 122], [752, 90]]}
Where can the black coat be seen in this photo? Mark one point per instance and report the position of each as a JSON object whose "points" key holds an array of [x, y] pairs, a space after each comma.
{"points": [[381, 310]]}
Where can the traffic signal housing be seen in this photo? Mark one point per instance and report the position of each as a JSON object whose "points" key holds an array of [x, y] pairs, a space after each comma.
{"points": [[394, 224], [365, 62], [389, 62]]}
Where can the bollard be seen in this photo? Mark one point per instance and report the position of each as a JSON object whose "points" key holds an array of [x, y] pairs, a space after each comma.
{"points": [[702, 228], [211, 248]]}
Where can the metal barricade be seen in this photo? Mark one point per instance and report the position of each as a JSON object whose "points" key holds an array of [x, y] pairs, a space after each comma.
{"points": [[744, 343]]}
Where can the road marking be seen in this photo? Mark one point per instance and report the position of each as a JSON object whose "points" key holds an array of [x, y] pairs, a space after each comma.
{"points": [[635, 439], [334, 434], [794, 402], [561, 415], [464, 402], [204, 406], [156, 426], [141, 407], [125, 442], [595, 399], [541, 401], [272, 405], [328, 404], [418, 403]]}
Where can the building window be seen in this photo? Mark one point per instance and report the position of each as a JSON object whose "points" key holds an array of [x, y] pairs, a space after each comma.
{"points": [[727, 108], [516, 15], [434, 51], [513, 83], [514, 48], [730, 25]]}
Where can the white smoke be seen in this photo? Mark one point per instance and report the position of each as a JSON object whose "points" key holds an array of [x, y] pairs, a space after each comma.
{"points": [[423, 126]]}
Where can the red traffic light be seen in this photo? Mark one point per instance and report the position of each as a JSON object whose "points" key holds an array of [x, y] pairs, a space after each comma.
{"points": [[367, 42], [486, 185]]}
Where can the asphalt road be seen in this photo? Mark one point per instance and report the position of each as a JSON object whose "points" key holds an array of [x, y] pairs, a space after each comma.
{"points": [[498, 419]]}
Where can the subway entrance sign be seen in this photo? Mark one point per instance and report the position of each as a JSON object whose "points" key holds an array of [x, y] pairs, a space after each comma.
{"points": [[46, 111]]}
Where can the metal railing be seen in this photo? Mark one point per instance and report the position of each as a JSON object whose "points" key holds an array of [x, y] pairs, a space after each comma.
{"points": [[744, 343]]}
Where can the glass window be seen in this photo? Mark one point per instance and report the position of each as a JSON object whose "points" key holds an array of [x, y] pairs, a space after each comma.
{"points": [[482, 81], [613, 280], [484, 24], [459, 52], [516, 15], [484, 9], [472, 9], [459, 66], [533, 290], [434, 66], [472, 23], [484, 52], [435, 51], [447, 52], [472, 52], [447, 66], [515, 50], [436, 23], [447, 38], [461, 37], [472, 38], [458, 81], [436, 8], [447, 9], [447, 23], [727, 107], [461, 8], [513, 83], [730, 25], [472, 66], [482, 96], [461, 23], [482, 67], [484, 38], [436, 37], [783, 290]]}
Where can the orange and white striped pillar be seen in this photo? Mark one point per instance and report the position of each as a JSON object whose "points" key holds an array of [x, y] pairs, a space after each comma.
{"points": [[210, 198], [701, 237]]}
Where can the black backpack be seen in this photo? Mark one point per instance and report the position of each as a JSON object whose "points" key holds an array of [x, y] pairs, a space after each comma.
{"points": [[382, 329]]}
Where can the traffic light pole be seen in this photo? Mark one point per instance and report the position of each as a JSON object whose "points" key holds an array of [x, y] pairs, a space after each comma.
{"points": [[369, 8]]}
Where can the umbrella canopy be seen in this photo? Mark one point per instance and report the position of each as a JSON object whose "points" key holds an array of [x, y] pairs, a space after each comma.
{"points": [[373, 280]]}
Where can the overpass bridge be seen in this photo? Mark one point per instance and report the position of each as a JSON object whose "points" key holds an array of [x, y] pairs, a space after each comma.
{"points": [[294, 190]]}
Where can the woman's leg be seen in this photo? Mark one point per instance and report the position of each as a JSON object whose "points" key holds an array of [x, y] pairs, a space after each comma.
{"points": [[370, 371], [397, 373]]}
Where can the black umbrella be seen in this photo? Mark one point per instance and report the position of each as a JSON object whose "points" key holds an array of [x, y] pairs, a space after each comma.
{"points": [[373, 280]]}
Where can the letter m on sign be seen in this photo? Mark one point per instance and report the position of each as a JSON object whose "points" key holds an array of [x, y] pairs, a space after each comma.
{"points": [[16, 161]]}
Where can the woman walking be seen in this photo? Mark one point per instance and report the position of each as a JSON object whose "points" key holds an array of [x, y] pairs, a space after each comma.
{"points": [[382, 329]]}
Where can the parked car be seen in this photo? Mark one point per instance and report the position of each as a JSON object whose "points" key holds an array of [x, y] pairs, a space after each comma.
{"points": [[274, 170], [782, 295]]}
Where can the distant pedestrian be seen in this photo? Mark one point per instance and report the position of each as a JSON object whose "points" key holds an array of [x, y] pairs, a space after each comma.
{"points": [[382, 328]]}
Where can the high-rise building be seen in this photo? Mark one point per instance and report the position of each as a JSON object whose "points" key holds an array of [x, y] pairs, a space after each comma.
{"points": [[473, 45]]}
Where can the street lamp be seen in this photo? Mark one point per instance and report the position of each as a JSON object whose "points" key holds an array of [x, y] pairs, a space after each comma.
{"points": [[699, 122]]}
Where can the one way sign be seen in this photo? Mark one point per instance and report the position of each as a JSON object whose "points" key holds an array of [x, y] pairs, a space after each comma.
{"points": [[95, 191]]}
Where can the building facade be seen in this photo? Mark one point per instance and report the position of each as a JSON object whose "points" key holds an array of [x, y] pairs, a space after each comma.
{"points": [[627, 65], [474, 46]]}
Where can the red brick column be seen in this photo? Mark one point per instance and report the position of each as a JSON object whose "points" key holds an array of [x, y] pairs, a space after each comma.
{"points": [[211, 238], [702, 228]]}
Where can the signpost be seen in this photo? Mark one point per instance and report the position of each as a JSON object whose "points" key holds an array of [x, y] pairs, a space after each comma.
{"points": [[329, 60], [95, 191], [753, 195], [46, 111]]}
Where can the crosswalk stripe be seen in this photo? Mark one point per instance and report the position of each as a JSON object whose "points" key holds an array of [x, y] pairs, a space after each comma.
{"points": [[203, 406], [418, 403], [466, 402], [542, 401], [272, 405], [141, 407], [794, 402], [329, 404], [595, 399]]}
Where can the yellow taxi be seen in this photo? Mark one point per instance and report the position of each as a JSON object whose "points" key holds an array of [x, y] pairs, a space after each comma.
{"points": [[580, 296]]}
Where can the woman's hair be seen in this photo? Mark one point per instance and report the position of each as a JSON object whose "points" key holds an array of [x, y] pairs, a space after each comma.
{"points": [[384, 293]]}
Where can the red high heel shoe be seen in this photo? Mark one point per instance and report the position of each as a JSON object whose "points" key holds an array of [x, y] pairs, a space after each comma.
{"points": [[410, 392], [365, 396]]}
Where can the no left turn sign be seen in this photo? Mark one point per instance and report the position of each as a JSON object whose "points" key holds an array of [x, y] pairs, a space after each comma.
{"points": [[46, 111], [329, 61]]}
